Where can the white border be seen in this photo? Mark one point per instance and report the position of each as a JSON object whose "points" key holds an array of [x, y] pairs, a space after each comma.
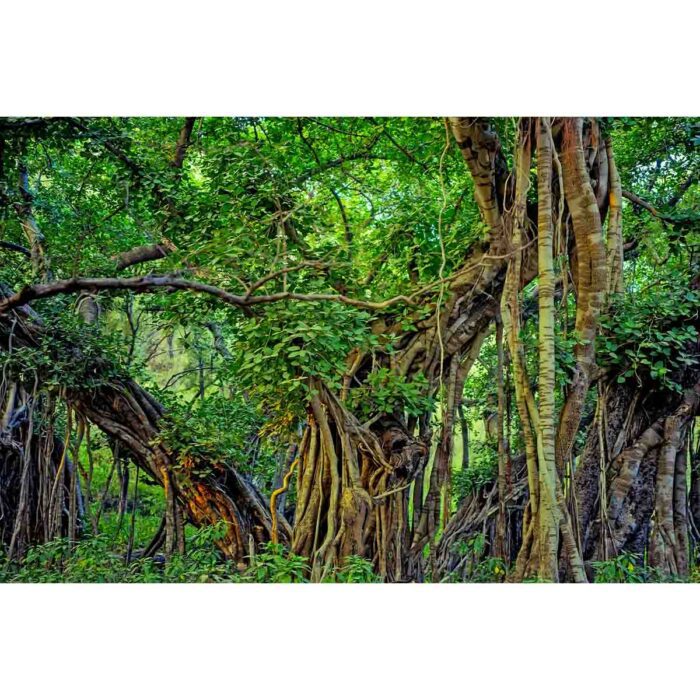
{"points": [[364, 57], [379, 57], [348, 641]]}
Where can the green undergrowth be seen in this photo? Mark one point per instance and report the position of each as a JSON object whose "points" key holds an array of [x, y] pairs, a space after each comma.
{"points": [[94, 559], [474, 567], [102, 559]]}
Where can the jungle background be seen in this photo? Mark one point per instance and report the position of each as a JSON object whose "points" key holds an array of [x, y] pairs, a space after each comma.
{"points": [[349, 349]]}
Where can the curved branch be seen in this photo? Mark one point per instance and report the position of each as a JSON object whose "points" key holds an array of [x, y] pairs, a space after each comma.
{"points": [[168, 283], [644, 205]]}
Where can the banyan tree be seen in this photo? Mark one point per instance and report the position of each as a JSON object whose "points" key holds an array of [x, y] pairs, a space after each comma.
{"points": [[351, 282]]}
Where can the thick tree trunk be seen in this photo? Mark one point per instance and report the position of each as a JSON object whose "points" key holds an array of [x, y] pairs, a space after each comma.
{"points": [[353, 482], [632, 492], [352, 488]]}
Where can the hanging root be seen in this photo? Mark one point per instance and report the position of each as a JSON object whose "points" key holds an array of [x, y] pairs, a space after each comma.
{"points": [[350, 499], [478, 514], [273, 500], [40, 496]]}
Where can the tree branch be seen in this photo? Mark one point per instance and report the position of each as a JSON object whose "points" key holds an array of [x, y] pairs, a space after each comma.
{"points": [[481, 150], [630, 196], [143, 253], [30, 228], [183, 142], [16, 248], [169, 283], [365, 154]]}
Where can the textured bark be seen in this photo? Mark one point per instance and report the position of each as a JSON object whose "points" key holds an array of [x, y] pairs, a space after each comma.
{"points": [[614, 249], [549, 515], [478, 514], [503, 479], [527, 562], [591, 280], [32, 232], [666, 552], [144, 253], [643, 497], [481, 149], [616, 418], [351, 488], [680, 510]]}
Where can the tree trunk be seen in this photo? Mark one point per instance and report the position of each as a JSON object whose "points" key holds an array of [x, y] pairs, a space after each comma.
{"points": [[643, 462]]}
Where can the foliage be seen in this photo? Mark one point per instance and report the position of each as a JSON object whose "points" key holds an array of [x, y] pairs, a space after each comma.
{"points": [[354, 569], [483, 466], [66, 356], [625, 568], [386, 392], [473, 567], [368, 208], [649, 333], [217, 429], [93, 560], [275, 565], [295, 343]]}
